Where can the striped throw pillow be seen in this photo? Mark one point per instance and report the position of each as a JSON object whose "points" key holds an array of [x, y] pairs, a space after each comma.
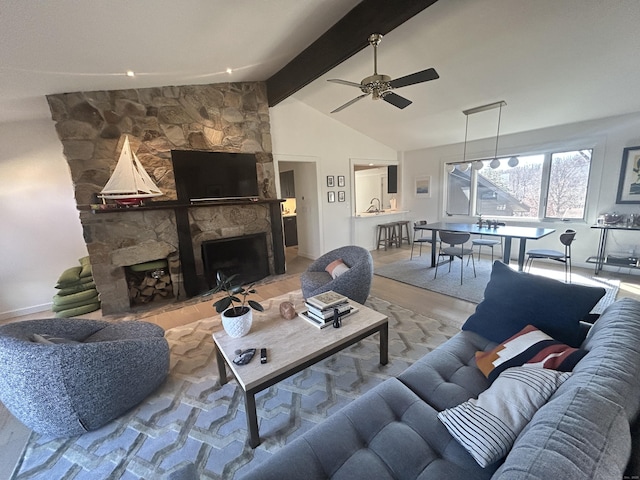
{"points": [[488, 426], [528, 346]]}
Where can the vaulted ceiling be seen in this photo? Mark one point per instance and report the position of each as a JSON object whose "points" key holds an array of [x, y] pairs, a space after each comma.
{"points": [[552, 61]]}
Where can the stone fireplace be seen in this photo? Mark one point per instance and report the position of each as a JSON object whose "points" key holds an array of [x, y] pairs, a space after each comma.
{"points": [[222, 117]]}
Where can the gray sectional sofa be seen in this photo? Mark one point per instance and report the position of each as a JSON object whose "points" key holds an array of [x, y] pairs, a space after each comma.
{"points": [[581, 429]]}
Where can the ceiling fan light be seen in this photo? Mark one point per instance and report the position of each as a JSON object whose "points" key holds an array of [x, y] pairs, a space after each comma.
{"points": [[477, 165], [495, 163], [513, 162]]}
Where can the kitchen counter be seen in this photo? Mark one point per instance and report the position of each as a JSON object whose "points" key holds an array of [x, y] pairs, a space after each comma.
{"points": [[380, 214]]}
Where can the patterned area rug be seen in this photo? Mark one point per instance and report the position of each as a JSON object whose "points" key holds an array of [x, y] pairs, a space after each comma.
{"points": [[417, 272], [191, 418]]}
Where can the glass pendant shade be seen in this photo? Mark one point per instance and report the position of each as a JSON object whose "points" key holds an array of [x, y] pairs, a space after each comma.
{"points": [[450, 167], [495, 163], [463, 167], [513, 162], [477, 165]]}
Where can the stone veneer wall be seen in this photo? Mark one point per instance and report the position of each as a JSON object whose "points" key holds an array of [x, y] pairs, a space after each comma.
{"points": [[230, 117]]}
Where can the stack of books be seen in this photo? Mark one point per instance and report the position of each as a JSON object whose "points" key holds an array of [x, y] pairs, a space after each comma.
{"points": [[321, 308]]}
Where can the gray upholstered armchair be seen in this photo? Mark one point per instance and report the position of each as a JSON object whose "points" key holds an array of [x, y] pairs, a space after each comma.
{"points": [[63, 389], [355, 283]]}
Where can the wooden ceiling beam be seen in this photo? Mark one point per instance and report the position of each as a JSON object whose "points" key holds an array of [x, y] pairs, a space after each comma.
{"points": [[340, 42]]}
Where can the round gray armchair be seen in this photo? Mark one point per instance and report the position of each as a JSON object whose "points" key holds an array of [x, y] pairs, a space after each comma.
{"points": [[354, 283], [65, 376]]}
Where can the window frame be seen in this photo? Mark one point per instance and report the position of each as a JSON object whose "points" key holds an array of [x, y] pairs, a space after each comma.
{"points": [[544, 187]]}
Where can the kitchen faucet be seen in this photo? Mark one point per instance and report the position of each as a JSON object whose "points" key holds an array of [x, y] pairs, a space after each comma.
{"points": [[372, 207]]}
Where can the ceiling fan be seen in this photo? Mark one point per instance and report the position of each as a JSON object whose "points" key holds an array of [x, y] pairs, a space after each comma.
{"points": [[380, 86]]}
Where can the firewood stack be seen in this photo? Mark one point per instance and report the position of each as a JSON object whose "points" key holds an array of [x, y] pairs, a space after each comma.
{"points": [[149, 282]]}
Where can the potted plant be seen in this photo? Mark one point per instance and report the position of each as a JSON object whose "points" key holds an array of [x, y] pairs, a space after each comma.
{"points": [[236, 313]]}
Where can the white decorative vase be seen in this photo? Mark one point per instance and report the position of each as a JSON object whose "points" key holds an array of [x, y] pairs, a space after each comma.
{"points": [[238, 325]]}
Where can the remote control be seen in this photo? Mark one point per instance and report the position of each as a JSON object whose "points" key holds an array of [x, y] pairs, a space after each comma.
{"points": [[263, 355]]}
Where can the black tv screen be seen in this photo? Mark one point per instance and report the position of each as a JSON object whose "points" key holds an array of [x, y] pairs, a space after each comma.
{"points": [[204, 176]]}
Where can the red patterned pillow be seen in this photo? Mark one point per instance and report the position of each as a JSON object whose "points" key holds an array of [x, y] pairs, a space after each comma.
{"points": [[529, 346]]}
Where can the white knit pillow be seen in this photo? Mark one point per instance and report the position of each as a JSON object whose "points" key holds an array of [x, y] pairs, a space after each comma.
{"points": [[488, 426]]}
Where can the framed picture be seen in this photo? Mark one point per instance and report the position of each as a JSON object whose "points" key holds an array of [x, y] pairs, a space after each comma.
{"points": [[331, 196], [330, 181], [423, 187], [629, 183], [341, 195], [340, 181]]}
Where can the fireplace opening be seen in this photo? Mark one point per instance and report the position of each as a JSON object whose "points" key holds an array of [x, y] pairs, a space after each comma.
{"points": [[245, 256]]}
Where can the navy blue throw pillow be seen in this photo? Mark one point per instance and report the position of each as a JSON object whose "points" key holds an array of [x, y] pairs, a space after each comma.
{"points": [[513, 300]]}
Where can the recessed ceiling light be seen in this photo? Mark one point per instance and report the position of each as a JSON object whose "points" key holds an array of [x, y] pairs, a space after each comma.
{"points": [[229, 71], [130, 73]]}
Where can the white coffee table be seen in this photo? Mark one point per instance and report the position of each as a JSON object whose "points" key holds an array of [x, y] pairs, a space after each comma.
{"points": [[292, 346]]}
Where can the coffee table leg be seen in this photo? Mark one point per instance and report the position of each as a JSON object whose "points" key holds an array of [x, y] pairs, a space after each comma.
{"points": [[384, 343], [252, 419], [222, 369]]}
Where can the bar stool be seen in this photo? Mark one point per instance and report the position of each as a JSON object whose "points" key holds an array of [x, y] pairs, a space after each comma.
{"points": [[403, 235], [387, 235]]}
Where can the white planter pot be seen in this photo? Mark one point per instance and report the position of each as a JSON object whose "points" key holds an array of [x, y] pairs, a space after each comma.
{"points": [[237, 326]]}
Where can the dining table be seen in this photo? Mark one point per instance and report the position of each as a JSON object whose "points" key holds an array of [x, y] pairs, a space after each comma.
{"points": [[508, 232]]}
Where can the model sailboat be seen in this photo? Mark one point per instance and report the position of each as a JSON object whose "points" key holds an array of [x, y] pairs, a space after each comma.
{"points": [[129, 183]]}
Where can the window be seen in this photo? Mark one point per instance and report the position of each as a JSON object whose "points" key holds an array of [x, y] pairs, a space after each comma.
{"points": [[552, 185]]}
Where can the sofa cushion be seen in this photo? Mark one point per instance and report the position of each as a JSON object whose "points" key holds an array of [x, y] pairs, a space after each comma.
{"points": [[488, 426], [576, 435], [513, 300], [528, 346], [448, 375], [388, 433]]}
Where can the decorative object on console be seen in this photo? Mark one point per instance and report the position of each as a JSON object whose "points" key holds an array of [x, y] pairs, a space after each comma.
{"points": [[236, 320], [629, 183], [129, 183]]}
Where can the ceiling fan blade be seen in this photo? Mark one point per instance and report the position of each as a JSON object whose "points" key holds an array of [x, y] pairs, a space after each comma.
{"points": [[418, 77], [350, 102], [396, 100], [344, 82]]}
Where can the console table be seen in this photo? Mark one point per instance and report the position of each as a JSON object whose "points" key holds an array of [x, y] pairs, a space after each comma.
{"points": [[600, 259]]}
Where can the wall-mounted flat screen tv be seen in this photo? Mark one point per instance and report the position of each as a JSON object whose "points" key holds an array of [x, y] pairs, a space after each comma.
{"points": [[203, 176]]}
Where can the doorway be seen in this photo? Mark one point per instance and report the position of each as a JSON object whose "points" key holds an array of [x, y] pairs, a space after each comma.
{"points": [[298, 185]]}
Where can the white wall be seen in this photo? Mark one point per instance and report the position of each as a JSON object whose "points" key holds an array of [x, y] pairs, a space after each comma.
{"points": [[608, 137], [297, 129], [41, 231]]}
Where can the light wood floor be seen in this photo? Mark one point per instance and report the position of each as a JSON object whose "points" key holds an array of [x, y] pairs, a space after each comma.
{"points": [[416, 299]]}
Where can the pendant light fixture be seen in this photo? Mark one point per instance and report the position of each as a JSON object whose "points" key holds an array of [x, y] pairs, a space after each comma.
{"points": [[495, 162]]}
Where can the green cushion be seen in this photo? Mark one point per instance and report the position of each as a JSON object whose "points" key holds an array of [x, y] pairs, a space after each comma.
{"points": [[143, 267], [75, 297], [70, 276], [72, 312], [80, 287], [67, 306], [86, 271], [84, 261]]}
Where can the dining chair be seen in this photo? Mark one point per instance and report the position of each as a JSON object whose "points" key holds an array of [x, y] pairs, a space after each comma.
{"points": [[419, 238], [455, 248], [566, 239], [487, 242]]}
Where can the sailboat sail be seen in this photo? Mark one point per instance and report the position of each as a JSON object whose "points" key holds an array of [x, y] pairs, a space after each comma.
{"points": [[129, 180]]}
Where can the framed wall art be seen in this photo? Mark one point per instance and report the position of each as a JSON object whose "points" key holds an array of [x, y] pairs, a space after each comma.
{"points": [[330, 181], [423, 187], [331, 197], [341, 180], [629, 183], [341, 196]]}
